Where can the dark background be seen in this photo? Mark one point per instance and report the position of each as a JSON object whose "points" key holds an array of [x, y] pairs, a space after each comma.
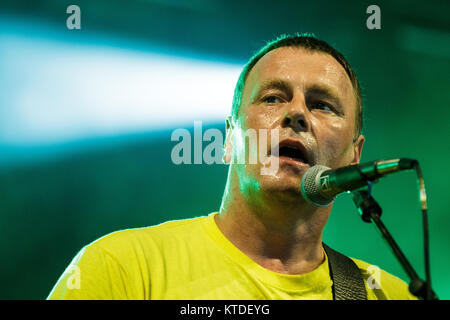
{"points": [[55, 199]]}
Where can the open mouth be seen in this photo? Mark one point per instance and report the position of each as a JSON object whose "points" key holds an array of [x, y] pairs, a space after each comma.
{"points": [[293, 150]]}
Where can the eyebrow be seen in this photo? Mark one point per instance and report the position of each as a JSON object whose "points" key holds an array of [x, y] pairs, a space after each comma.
{"points": [[326, 92], [275, 83], [278, 84]]}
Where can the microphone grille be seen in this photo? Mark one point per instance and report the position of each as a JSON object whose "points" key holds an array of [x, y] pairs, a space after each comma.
{"points": [[311, 190]]}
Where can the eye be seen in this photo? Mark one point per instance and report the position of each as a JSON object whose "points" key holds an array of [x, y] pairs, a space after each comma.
{"points": [[272, 99], [322, 106]]}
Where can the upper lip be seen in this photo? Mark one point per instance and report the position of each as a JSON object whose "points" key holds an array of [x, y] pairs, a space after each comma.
{"points": [[293, 143]]}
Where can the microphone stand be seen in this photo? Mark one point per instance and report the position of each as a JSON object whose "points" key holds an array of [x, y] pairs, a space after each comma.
{"points": [[370, 211]]}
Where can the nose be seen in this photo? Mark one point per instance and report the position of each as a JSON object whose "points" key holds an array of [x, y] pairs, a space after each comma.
{"points": [[295, 118]]}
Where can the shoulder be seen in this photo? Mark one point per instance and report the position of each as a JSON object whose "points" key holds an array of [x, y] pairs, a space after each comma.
{"points": [[117, 265], [125, 241], [381, 285]]}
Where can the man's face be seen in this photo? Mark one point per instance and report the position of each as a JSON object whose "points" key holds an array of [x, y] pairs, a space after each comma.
{"points": [[308, 97]]}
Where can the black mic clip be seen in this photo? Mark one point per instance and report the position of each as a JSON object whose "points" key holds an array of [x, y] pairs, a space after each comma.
{"points": [[367, 206]]}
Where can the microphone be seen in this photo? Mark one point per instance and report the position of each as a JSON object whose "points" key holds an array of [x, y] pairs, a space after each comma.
{"points": [[321, 185]]}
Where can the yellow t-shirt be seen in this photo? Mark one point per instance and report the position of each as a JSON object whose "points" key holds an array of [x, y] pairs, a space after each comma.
{"points": [[191, 259]]}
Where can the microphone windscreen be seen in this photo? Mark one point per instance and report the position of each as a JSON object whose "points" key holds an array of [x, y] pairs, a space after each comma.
{"points": [[311, 189]]}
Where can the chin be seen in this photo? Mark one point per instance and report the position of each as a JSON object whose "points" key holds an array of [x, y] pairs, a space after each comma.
{"points": [[286, 187]]}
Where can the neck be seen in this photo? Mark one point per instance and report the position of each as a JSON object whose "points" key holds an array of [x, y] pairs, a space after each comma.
{"points": [[284, 236]]}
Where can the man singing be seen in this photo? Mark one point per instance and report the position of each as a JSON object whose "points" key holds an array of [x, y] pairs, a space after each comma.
{"points": [[266, 240]]}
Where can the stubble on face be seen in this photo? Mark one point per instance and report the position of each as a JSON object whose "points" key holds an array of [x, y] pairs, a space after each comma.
{"points": [[329, 135]]}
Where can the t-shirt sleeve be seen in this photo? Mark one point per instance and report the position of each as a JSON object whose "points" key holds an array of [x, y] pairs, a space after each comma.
{"points": [[381, 285], [93, 274]]}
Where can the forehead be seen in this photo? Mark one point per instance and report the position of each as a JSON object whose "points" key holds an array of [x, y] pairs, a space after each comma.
{"points": [[302, 68]]}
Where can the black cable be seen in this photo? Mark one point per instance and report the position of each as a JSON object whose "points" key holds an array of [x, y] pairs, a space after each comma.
{"points": [[426, 240]]}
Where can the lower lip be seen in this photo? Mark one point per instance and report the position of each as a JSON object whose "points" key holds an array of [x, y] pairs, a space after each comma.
{"points": [[292, 161]]}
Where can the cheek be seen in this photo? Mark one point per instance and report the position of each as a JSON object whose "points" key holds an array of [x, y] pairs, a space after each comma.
{"points": [[258, 117], [334, 142]]}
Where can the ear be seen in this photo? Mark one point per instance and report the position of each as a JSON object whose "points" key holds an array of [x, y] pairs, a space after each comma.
{"points": [[357, 149], [228, 146]]}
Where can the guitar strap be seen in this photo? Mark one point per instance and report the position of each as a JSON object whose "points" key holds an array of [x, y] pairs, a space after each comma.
{"points": [[348, 283]]}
